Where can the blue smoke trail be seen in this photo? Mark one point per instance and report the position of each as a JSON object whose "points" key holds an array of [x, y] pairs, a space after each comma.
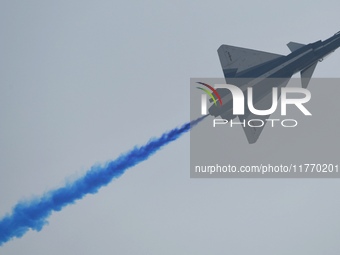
{"points": [[33, 214]]}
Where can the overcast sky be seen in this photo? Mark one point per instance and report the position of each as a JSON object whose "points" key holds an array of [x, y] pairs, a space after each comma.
{"points": [[83, 81]]}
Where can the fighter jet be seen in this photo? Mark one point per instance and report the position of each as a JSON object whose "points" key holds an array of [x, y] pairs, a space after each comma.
{"points": [[246, 67]]}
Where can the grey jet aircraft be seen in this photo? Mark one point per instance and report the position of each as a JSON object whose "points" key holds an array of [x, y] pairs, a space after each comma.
{"points": [[246, 67]]}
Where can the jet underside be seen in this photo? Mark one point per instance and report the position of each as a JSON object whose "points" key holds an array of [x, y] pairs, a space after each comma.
{"points": [[245, 68]]}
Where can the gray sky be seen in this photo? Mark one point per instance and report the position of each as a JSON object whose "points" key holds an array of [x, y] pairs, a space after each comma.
{"points": [[80, 83]]}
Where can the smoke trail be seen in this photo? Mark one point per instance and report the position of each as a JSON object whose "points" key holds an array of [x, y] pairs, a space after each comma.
{"points": [[33, 214]]}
